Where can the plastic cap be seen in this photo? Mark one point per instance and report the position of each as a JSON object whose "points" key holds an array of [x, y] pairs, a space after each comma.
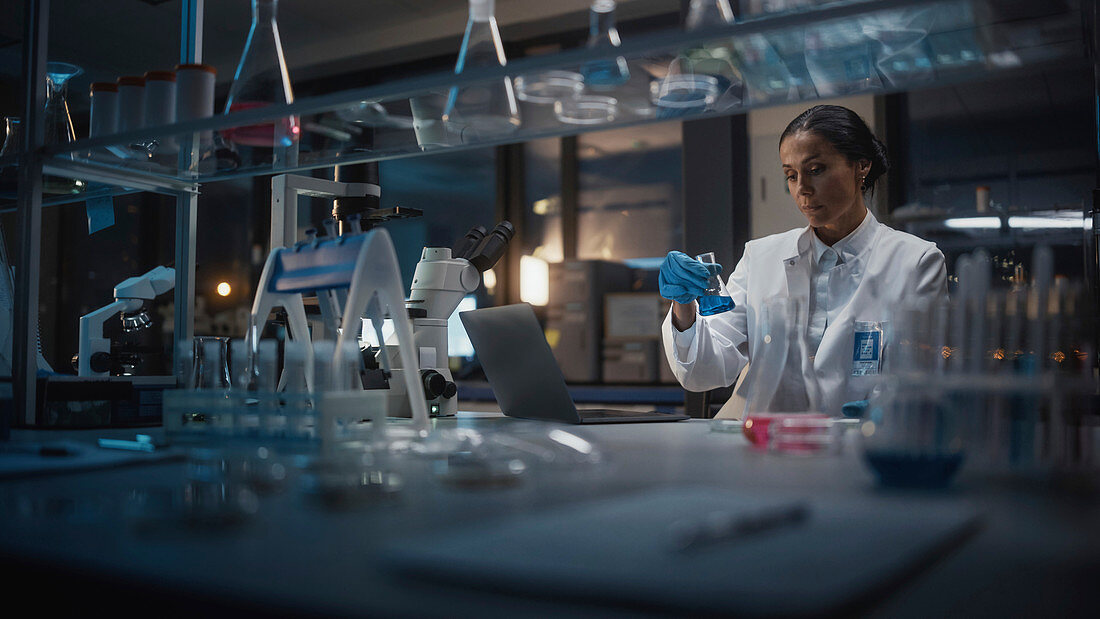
{"points": [[160, 76], [196, 67], [104, 87], [131, 80], [482, 10]]}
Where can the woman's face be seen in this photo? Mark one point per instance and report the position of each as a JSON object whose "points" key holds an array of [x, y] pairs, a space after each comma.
{"points": [[824, 184]]}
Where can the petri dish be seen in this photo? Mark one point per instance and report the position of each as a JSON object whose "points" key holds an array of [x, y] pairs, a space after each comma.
{"points": [[548, 87], [804, 436], [758, 426], [476, 469], [586, 110], [683, 94]]}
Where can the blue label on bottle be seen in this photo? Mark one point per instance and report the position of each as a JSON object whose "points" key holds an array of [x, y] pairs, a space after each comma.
{"points": [[867, 353]]}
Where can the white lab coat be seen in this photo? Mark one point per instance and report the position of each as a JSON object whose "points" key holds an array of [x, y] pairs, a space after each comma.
{"points": [[891, 270]]}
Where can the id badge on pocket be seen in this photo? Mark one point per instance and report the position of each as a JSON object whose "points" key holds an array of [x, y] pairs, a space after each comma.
{"points": [[867, 352]]}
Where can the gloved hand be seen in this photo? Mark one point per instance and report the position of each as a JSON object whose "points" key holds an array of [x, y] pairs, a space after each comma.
{"points": [[856, 409], [683, 278]]}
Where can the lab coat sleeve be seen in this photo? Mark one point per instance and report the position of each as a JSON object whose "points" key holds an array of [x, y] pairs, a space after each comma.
{"points": [[930, 286], [711, 353]]}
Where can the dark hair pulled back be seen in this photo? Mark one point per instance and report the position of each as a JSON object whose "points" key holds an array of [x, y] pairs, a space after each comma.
{"points": [[847, 133]]}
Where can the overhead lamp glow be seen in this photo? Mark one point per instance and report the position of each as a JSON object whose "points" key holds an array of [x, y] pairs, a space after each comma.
{"points": [[973, 223], [224, 289], [1046, 223], [534, 280]]}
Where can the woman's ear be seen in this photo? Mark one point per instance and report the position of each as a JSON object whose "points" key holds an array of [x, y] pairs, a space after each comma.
{"points": [[863, 166]]}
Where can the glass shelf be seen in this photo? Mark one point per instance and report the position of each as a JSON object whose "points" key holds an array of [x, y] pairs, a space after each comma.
{"points": [[831, 49]]}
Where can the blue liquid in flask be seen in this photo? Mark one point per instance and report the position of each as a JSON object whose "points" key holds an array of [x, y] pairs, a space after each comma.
{"points": [[712, 304]]}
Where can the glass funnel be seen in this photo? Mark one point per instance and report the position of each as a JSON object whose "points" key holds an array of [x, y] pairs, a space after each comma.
{"points": [[604, 74], [487, 109], [59, 124], [262, 80]]}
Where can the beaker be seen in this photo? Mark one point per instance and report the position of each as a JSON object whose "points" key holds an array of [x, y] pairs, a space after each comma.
{"points": [[487, 109], [604, 74], [262, 80], [59, 124], [716, 299]]}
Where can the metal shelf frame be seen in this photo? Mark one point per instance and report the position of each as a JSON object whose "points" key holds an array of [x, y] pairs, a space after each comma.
{"points": [[35, 162]]}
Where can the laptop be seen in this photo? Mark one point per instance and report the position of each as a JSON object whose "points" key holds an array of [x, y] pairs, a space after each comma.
{"points": [[524, 374]]}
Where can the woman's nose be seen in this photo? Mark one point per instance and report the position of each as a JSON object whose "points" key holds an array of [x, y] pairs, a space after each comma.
{"points": [[803, 188]]}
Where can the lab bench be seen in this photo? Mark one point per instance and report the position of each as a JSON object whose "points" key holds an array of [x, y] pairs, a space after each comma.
{"points": [[662, 397], [1032, 547]]}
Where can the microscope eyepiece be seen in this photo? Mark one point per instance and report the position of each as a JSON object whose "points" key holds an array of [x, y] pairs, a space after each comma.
{"points": [[493, 247]]}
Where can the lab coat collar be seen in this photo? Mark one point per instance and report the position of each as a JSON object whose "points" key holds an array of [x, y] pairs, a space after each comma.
{"points": [[857, 242]]}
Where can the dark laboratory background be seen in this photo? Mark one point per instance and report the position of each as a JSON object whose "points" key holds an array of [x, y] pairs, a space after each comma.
{"points": [[620, 196]]}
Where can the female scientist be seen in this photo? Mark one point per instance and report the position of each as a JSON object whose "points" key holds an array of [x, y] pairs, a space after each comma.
{"points": [[849, 270]]}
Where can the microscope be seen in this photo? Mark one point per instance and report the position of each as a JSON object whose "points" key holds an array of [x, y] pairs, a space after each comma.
{"points": [[442, 278], [94, 356]]}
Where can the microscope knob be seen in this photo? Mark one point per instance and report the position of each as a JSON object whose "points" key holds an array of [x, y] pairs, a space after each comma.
{"points": [[100, 362], [450, 390], [434, 383]]}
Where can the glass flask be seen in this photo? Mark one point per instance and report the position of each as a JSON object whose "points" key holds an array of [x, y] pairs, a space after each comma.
{"points": [[59, 124], [607, 73], [705, 13], [487, 109], [717, 298], [778, 385], [262, 80]]}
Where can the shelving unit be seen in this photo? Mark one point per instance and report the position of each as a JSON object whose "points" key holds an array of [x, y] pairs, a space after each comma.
{"points": [[831, 49]]}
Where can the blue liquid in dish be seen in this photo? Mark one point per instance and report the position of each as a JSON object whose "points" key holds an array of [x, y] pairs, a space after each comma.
{"points": [[602, 74], [710, 305]]}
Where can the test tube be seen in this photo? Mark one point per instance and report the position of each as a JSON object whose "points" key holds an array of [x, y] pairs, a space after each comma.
{"points": [[324, 376]]}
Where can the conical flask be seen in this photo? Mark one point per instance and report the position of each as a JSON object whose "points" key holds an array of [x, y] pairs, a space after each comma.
{"points": [[483, 110], [262, 80], [714, 60], [704, 13], [59, 124], [607, 73]]}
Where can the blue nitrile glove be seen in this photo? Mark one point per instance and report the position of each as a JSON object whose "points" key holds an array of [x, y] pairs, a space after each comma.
{"points": [[855, 410], [683, 278]]}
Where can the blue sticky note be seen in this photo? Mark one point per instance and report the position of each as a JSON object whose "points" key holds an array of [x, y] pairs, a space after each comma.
{"points": [[101, 213]]}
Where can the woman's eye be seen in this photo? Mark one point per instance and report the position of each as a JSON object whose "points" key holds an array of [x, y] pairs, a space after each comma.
{"points": [[790, 179], [816, 171]]}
